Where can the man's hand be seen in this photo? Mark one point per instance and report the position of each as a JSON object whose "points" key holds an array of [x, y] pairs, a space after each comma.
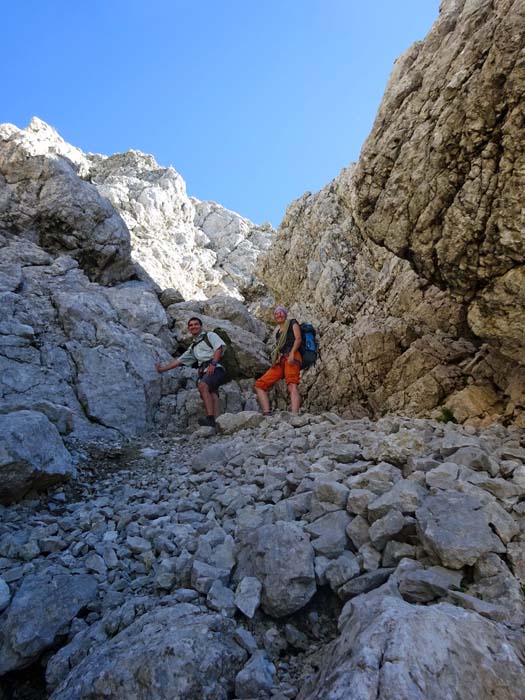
{"points": [[159, 368], [290, 359], [210, 370]]}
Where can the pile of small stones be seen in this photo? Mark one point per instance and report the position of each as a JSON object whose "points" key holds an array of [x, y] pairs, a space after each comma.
{"points": [[253, 539]]}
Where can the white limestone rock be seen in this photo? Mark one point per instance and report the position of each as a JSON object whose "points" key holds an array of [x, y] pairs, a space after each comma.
{"points": [[198, 248], [45, 200], [379, 654], [237, 242], [174, 651]]}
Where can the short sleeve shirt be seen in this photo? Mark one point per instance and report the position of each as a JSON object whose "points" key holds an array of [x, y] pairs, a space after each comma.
{"points": [[199, 351]]}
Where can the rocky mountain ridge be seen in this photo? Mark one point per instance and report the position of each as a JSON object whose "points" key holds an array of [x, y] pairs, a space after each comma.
{"points": [[199, 248]]}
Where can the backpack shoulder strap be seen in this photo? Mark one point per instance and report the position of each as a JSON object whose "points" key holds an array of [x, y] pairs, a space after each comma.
{"points": [[205, 339]]}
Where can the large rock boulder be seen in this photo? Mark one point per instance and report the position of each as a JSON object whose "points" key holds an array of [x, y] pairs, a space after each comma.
{"points": [[281, 557], [171, 652], [40, 613], [391, 650], [456, 528], [32, 454]]}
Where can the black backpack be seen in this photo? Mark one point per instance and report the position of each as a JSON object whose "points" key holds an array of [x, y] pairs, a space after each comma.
{"points": [[229, 359], [309, 348]]}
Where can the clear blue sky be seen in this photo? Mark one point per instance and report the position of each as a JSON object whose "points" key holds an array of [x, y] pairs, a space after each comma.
{"points": [[253, 102]]}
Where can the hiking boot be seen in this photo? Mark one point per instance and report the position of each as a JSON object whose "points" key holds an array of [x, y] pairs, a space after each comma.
{"points": [[208, 421]]}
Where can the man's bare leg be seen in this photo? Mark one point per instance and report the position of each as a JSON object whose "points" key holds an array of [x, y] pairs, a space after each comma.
{"points": [[207, 399], [216, 405]]}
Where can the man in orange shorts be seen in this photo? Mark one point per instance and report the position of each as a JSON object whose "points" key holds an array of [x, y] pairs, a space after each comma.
{"points": [[286, 362]]}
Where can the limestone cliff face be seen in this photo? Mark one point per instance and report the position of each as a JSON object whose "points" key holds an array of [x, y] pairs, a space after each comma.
{"points": [[389, 340], [440, 179], [199, 248], [413, 263], [79, 333]]}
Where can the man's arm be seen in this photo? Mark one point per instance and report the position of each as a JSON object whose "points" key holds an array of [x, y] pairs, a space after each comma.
{"points": [[187, 358], [171, 365], [215, 359]]}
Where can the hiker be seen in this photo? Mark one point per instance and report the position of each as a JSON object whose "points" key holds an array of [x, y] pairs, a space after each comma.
{"points": [[206, 354], [286, 362]]}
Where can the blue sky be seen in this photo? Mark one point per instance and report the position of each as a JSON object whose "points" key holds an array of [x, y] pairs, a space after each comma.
{"points": [[252, 102]]}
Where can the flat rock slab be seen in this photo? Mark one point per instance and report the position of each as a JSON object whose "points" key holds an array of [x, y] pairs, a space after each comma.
{"points": [[171, 652], [455, 528], [40, 612]]}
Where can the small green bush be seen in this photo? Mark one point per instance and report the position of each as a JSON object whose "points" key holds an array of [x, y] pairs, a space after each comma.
{"points": [[447, 415]]}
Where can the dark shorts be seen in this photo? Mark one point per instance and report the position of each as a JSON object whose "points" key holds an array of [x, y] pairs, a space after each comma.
{"points": [[215, 380]]}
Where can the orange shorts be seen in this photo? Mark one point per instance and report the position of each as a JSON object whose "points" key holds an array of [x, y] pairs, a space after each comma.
{"points": [[282, 370]]}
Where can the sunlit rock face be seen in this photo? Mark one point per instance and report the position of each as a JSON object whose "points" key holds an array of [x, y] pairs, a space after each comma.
{"points": [[61, 197], [44, 200], [199, 248], [440, 179], [237, 243], [412, 263]]}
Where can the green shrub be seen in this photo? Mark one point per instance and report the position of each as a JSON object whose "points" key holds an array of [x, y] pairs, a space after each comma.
{"points": [[447, 415]]}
